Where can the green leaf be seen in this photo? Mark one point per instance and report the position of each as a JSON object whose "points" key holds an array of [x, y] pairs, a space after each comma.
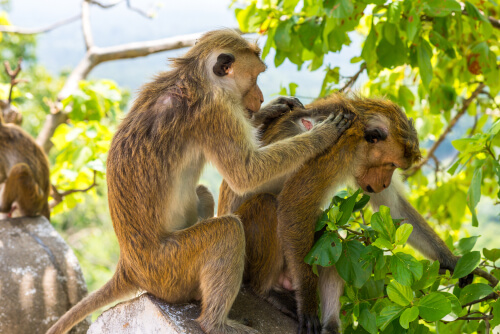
{"points": [[456, 307], [283, 37], [412, 25], [474, 194], [466, 264], [434, 307], [465, 245], [383, 243], [424, 55], [408, 316], [491, 254], [326, 251], [394, 12], [368, 52], [347, 206], [361, 203], [308, 31], [441, 43], [403, 233], [340, 9], [430, 273], [405, 268], [388, 314], [368, 321], [349, 267], [390, 54], [439, 8], [474, 292], [496, 314], [382, 223], [400, 294]]}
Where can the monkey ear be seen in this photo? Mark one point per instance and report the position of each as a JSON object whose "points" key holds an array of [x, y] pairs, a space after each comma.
{"points": [[223, 64], [375, 135]]}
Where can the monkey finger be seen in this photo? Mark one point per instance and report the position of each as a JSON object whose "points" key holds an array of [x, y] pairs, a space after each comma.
{"points": [[464, 281]]}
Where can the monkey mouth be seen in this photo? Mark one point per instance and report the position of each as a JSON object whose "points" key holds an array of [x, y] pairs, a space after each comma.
{"points": [[369, 189]]}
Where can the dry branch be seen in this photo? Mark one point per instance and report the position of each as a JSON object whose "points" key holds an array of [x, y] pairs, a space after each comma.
{"points": [[33, 31], [59, 196], [353, 79], [448, 129]]}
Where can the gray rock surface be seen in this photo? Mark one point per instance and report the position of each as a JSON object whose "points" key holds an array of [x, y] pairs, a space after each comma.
{"points": [[40, 278], [147, 314]]}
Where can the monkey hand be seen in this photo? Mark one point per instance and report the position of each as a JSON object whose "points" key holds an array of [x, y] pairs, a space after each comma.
{"points": [[335, 125], [462, 281], [275, 109]]}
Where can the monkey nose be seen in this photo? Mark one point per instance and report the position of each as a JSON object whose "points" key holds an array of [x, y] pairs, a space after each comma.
{"points": [[369, 189]]}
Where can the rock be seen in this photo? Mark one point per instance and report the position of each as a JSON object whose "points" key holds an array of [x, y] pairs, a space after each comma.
{"points": [[40, 278], [147, 314]]}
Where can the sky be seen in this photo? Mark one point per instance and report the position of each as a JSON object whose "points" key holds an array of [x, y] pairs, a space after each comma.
{"points": [[62, 48]]}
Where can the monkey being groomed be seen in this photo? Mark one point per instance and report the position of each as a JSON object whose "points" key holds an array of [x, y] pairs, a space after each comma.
{"points": [[170, 244], [280, 219], [24, 174]]}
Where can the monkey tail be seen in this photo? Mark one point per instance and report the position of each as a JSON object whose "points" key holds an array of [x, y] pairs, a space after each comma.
{"points": [[117, 287]]}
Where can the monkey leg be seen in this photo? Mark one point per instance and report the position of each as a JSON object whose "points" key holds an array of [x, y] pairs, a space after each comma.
{"points": [[264, 257], [299, 202], [22, 190], [205, 259], [331, 288], [206, 203]]}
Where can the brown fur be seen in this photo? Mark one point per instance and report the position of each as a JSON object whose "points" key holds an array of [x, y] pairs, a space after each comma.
{"points": [[196, 112], [24, 174], [280, 225]]}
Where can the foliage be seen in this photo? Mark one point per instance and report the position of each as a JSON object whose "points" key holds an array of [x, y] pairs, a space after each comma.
{"points": [[429, 57], [390, 291]]}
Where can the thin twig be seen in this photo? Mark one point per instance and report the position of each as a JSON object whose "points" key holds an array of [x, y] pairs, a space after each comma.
{"points": [[353, 79], [492, 295], [13, 75], [448, 129], [494, 22], [59, 196], [116, 2], [33, 31]]}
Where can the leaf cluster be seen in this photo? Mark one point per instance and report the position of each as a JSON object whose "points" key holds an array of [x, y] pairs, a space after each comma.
{"points": [[389, 290]]}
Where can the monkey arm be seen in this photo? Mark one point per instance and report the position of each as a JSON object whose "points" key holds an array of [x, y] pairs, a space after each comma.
{"points": [[423, 237], [245, 166]]}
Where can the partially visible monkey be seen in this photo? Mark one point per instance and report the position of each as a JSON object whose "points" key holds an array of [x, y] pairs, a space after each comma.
{"points": [[24, 174], [170, 245], [280, 221]]}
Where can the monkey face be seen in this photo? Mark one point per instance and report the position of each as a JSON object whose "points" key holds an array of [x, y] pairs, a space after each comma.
{"points": [[241, 72], [377, 160]]}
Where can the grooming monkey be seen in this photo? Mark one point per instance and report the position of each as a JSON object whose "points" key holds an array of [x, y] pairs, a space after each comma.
{"points": [[24, 174], [279, 221], [170, 245]]}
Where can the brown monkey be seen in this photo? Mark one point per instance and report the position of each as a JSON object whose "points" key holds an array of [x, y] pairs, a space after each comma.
{"points": [[170, 245], [24, 174], [280, 221]]}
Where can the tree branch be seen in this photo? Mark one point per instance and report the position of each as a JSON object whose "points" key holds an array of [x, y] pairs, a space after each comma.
{"points": [[86, 28], [494, 22], [492, 295], [96, 55], [58, 196], [33, 31], [487, 276], [116, 2], [353, 79], [448, 129]]}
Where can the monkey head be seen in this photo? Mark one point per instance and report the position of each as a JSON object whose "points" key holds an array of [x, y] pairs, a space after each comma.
{"points": [[238, 73], [389, 142]]}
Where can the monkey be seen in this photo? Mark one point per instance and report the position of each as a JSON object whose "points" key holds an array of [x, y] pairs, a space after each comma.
{"points": [[197, 112], [24, 174], [279, 221]]}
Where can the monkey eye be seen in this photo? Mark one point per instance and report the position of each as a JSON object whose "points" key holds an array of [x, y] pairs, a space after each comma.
{"points": [[375, 135]]}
